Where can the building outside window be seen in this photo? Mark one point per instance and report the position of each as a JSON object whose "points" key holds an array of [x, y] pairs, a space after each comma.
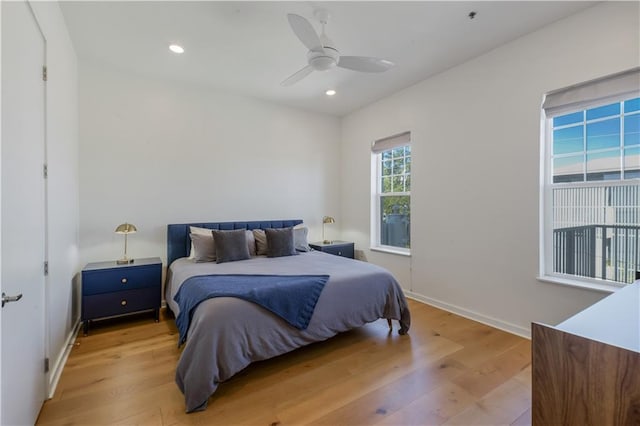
{"points": [[591, 189], [391, 203]]}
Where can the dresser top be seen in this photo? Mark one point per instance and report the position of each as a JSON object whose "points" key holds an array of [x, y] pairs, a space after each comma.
{"points": [[112, 264], [613, 320]]}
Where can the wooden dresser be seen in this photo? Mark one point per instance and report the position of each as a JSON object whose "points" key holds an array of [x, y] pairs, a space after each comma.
{"points": [[586, 370]]}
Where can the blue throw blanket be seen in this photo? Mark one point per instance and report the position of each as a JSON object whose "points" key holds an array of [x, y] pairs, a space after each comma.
{"points": [[292, 297]]}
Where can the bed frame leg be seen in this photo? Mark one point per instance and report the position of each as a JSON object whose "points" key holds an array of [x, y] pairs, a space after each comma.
{"points": [[389, 322]]}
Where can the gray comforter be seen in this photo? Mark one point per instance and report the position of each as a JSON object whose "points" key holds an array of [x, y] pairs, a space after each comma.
{"points": [[227, 334]]}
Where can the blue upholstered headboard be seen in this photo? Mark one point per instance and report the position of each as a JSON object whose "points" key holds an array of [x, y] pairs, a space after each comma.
{"points": [[179, 242]]}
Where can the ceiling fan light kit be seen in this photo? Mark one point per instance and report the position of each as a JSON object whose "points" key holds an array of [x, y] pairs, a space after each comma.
{"points": [[322, 61], [323, 54]]}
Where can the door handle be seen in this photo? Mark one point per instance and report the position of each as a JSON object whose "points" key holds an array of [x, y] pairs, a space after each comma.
{"points": [[7, 299]]}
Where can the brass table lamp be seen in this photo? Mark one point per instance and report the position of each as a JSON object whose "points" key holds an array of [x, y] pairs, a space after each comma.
{"points": [[325, 220], [126, 229]]}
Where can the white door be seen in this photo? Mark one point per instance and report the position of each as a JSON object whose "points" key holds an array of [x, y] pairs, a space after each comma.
{"points": [[23, 214]]}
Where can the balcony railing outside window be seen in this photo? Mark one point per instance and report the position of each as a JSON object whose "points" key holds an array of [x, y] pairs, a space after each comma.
{"points": [[596, 232], [395, 225]]}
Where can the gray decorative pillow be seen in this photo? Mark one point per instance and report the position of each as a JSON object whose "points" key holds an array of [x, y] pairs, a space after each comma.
{"points": [[231, 245], [280, 242], [204, 249], [300, 242], [200, 231], [261, 242]]}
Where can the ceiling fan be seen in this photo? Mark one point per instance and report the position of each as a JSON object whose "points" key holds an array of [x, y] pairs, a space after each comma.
{"points": [[323, 54]]}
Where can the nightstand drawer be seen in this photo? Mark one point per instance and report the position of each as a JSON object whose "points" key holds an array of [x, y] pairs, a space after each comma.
{"points": [[338, 248], [120, 302], [118, 279], [344, 251]]}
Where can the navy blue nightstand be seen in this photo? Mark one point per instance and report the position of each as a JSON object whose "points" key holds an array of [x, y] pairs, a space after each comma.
{"points": [[109, 289], [339, 248]]}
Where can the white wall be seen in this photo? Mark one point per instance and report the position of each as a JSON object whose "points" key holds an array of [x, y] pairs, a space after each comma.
{"points": [[475, 131], [63, 304], [154, 152], [0, 209]]}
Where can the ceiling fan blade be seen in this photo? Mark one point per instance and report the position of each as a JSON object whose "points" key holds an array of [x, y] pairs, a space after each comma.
{"points": [[365, 64], [305, 32], [297, 76]]}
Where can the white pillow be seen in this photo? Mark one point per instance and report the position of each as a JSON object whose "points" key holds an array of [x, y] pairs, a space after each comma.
{"points": [[300, 241], [199, 231], [251, 242]]}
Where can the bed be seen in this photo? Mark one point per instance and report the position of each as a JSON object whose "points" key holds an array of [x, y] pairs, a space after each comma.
{"points": [[226, 334]]}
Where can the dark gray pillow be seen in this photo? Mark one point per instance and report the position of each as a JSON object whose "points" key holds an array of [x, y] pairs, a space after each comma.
{"points": [[230, 245], [204, 248], [280, 242]]}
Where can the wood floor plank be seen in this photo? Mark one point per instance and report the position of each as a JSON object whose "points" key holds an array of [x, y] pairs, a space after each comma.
{"points": [[447, 370], [502, 406], [493, 343], [383, 401], [524, 419], [306, 408], [149, 417], [495, 371], [432, 408]]}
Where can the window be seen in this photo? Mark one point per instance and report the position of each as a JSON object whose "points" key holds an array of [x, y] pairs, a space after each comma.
{"points": [[591, 190], [391, 204]]}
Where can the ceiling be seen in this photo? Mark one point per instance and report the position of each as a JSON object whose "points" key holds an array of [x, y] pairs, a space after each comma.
{"points": [[248, 48]]}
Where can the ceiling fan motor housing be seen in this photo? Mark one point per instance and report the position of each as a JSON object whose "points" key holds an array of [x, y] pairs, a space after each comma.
{"points": [[321, 61]]}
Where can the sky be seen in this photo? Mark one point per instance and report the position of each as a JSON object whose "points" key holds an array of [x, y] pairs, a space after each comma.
{"points": [[611, 131]]}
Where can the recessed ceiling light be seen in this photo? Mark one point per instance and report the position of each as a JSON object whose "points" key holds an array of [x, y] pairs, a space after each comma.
{"points": [[176, 48], [330, 92]]}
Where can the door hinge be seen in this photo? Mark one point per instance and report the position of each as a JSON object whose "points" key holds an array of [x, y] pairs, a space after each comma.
{"points": [[46, 365], [45, 171], [44, 73], [46, 268]]}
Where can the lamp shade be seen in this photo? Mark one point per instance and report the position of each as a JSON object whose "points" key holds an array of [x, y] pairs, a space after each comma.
{"points": [[328, 219], [126, 228]]}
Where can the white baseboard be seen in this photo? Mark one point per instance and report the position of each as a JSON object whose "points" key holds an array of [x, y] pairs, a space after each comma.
{"points": [[58, 366], [484, 319]]}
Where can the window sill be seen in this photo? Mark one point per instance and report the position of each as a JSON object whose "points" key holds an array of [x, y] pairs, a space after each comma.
{"points": [[603, 288], [391, 250]]}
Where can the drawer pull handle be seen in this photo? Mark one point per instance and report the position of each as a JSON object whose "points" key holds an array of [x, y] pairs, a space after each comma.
{"points": [[123, 302], [123, 281]]}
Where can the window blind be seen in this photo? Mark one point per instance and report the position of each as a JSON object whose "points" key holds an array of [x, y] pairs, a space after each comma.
{"points": [[609, 89], [391, 142]]}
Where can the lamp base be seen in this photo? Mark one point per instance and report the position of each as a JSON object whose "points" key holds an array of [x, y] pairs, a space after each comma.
{"points": [[124, 261]]}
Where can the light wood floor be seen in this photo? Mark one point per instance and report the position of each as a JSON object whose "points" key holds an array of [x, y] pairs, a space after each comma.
{"points": [[448, 370]]}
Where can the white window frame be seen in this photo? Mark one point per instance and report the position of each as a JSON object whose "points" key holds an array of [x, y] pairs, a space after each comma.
{"points": [[575, 100], [376, 195]]}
